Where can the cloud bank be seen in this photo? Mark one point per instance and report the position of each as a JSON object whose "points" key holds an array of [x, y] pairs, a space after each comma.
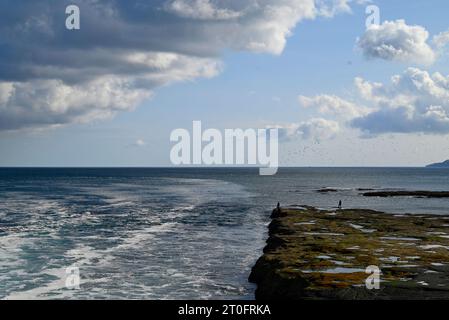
{"points": [[413, 102], [125, 49]]}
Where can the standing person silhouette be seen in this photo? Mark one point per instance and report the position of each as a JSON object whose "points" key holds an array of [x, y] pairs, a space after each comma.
{"points": [[339, 204]]}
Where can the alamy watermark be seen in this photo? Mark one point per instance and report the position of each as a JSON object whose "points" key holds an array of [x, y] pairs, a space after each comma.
{"points": [[373, 280], [73, 20], [256, 147], [373, 17], [72, 281]]}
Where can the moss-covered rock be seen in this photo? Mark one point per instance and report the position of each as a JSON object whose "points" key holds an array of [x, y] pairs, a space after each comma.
{"points": [[317, 254]]}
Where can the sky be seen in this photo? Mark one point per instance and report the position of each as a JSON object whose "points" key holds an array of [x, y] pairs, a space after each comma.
{"points": [[109, 94]]}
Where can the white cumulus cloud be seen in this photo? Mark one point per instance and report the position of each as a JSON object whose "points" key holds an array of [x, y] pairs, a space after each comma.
{"points": [[441, 40], [332, 105], [316, 129], [414, 102], [397, 41]]}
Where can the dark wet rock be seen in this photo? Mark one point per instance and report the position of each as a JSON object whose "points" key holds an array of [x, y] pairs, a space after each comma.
{"points": [[418, 194], [314, 254], [327, 190], [277, 213]]}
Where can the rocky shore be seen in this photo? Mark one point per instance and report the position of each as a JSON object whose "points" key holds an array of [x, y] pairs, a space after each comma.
{"points": [[318, 254]]}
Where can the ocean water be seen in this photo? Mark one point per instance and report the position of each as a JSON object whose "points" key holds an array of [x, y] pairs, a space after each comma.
{"points": [[167, 233]]}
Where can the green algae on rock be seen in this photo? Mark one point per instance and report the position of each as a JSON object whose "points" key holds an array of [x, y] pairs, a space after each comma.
{"points": [[318, 254]]}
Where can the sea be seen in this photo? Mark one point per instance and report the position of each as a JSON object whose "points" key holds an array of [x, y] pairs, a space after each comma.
{"points": [[168, 233]]}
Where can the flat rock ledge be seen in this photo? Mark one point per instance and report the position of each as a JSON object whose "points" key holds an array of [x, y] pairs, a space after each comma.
{"points": [[317, 254]]}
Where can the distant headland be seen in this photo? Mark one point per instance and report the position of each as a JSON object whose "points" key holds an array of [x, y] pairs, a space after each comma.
{"points": [[444, 164]]}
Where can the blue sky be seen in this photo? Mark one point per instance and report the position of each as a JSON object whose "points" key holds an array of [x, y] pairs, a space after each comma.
{"points": [[251, 90]]}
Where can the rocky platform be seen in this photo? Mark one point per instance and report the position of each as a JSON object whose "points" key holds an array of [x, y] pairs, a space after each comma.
{"points": [[317, 254]]}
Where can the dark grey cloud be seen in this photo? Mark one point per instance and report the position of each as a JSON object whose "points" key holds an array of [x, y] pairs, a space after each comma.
{"points": [[125, 49]]}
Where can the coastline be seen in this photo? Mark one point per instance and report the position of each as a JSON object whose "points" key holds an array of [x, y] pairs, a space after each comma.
{"points": [[320, 254]]}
